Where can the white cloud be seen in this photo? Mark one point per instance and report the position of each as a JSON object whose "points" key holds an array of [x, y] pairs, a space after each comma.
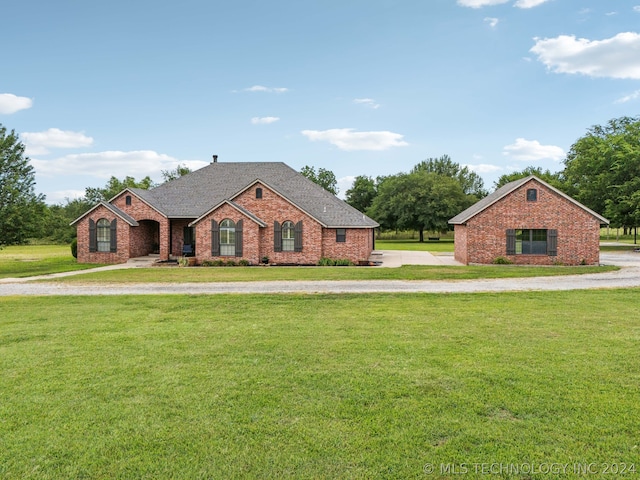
{"points": [[261, 88], [10, 103], [483, 168], [529, 3], [137, 164], [493, 22], [349, 140], [636, 8], [532, 150], [615, 57], [367, 102], [264, 120], [60, 196], [344, 184], [628, 98], [480, 3], [38, 143]]}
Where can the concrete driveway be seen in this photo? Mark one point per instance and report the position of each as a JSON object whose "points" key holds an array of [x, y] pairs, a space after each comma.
{"points": [[397, 258]]}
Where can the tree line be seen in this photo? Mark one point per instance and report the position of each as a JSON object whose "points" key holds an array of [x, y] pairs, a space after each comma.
{"points": [[601, 171]]}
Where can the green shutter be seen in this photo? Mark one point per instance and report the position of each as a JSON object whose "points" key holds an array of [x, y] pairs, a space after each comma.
{"points": [[511, 241], [114, 235], [277, 237], [239, 238], [552, 243], [297, 237], [215, 239], [93, 236]]}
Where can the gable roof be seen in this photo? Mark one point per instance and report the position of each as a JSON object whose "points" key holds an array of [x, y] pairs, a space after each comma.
{"points": [[239, 208], [115, 210], [505, 190], [196, 193]]}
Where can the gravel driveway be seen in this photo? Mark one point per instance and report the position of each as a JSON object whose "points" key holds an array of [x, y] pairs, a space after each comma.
{"points": [[627, 276]]}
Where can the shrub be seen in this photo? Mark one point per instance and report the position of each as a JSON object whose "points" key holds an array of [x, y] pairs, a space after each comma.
{"points": [[183, 262], [344, 262], [331, 262], [325, 262], [74, 248], [230, 263], [244, 262], [212, 263], [501, 261]]}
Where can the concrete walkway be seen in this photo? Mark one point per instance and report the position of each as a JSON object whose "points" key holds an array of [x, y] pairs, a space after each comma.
{"points": [[627, 277]]}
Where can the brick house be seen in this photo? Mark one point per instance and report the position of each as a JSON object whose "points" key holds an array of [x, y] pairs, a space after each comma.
{"points": [[528, 222], [226, 211]]}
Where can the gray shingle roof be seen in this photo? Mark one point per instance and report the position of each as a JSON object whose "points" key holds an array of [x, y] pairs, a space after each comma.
{"points": [[130, 220], [503, 191], [192, 195]]}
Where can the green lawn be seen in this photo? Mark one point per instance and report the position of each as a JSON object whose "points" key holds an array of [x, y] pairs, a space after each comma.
{"points": [[249, 274], [444, 245], [30, 260], [40, 260], [317, 386]]}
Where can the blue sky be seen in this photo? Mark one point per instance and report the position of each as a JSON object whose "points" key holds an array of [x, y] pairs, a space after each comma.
{"points": [[371, 87]]}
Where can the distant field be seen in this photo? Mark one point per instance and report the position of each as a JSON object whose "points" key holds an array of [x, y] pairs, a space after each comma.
{"points": [[318, 386], [443, 245], [30, 260]]}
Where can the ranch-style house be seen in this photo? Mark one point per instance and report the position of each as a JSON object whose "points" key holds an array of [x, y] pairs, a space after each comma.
{"points": [[253, 211]]}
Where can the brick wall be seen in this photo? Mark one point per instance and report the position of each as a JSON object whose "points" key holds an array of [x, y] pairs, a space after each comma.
{"points": [[357, 246], [258, 241], [460, 242], [148, 234], [120, 256], [578, 231]]}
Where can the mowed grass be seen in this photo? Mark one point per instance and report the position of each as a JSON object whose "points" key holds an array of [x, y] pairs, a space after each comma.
{"points": [[255, 274], [435, 246], [29, 260], [316, 386]]}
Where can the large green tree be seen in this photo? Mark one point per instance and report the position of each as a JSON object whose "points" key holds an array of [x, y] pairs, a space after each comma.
{"points": [[114, 186], [362, 192], [419, 201], [602, 170], [179, 171], [471, 182], [323, 177], [20, 207], [554, 179]]}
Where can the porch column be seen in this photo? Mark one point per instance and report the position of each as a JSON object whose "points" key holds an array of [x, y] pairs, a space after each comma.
{"points": [[165, 239]]}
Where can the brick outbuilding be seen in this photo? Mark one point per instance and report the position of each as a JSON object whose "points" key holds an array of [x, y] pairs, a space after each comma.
{"points": [[250, 211], [528, 222]]}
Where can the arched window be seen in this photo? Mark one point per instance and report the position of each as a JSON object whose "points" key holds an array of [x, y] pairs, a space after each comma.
{"points": [[104, 235], [288, 236], [227, 238]]}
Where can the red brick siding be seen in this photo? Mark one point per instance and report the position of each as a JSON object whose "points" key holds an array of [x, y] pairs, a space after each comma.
{"points": [[146, 237], [578, 231], [120, 256], [357, 247], [258, 241], [460, 242], [154, 228]]}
